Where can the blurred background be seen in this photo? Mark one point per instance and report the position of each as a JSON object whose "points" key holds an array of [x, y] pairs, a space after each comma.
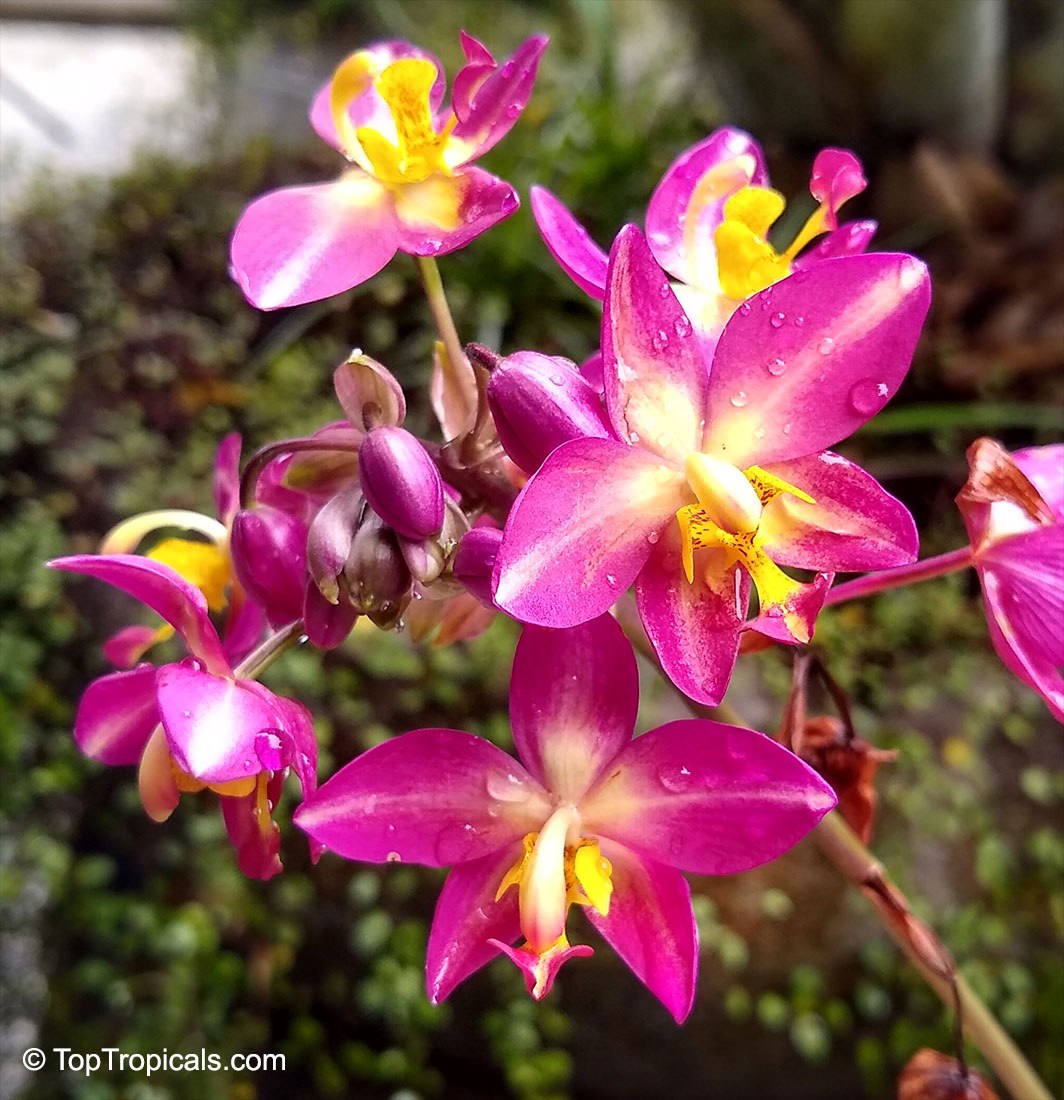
{"points": [[133, 134]]}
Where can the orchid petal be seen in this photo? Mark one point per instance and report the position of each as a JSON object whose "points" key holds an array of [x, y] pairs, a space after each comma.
{"points": [[496, 103], [539, 969], [219, 729], [361, 383], [850, 239], [704, 797], [433, 796], [467, 917], [573, 701], [116, 716], [570, 243], [807, 361], [453, 393], [327, 624], [1044, 468], [582, 529], [257, 843], [655, 377], [443, 213], [125, 648], [693, 626], [853, 524], [158, 790], [651, 925], [227, 477], [302, 244], [243, 626], [837, 177], [688, 203], [163, 590]]}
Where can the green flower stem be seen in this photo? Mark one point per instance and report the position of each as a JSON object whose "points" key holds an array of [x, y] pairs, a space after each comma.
{"points": [[924, 570], [260, 659], [838, 842], [441, 312]]}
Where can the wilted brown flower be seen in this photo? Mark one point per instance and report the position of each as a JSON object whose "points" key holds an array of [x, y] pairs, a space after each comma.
{"points": [[929, 1075]]}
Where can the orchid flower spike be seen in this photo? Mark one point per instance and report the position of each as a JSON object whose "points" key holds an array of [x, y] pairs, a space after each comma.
{"points": [[707, 225], [195, 724], [410, 185], [714, 473], [588, 817], [1013, 506]]}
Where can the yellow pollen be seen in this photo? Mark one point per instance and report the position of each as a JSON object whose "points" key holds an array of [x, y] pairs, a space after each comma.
{"points": [[587, 873], [417, 152]]}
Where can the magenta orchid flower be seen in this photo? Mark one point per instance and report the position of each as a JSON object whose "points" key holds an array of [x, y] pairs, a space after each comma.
{"points": [[1013, 506], [715, 474], [410, 186], [707, 224], [588, 817], [194, 724]]}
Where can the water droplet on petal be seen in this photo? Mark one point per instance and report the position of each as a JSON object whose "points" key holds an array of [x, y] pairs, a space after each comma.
{"points": [[660, 341], [633, 437], [787, 429], [826, 346], [799, 320], [611, 580], [192, 664], [455, 843], [776, 367], [505, 786], [556, 379], [739, 399], [652, 537], [394, 857], [663, 291], [269, 748], [759, 433], [682, 326], [868, 397], [389, 830], [744, 309], [674, 777], [777, 319]]}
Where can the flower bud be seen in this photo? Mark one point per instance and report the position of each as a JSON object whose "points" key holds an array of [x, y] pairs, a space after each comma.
{"points": [[329, 541], [539, 402], [326, 624], [269, 551], [401, 482], [474, 561], [376, 577]]}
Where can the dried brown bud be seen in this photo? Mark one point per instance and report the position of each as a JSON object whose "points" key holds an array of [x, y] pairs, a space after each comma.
{"points": [[994, 476], [930, 1075], [848, 763]]}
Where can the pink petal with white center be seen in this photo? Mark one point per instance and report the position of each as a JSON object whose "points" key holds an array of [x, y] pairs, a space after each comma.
{"points": [[487, 108], [433, 796], [443, 213], [570, 243], [837, 177], [655, 378], [582, 529], [651, 925], [850, 239], [688, 204], [257, 843], [467, 918], [116, 716], [1023, 577], [693, 627], [125, 648], [302, 244], [573, 701], [227, 477], [369, 109], [217, 729], [854, 524], [162, 589], [1044, 468], [704, 797], [806, 362]]}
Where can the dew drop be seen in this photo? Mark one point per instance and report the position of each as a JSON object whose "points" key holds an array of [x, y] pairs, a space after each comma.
{"points": [[455, 843], [799, 320], [269, 748], [867, 397], [633, 437], [660, 341], [674, 777], [611, 580], [776, 367], [826, 346], [652, 537], [744, 309], [787, 428], [192, 664], [777, 319], [394, 857], [663, 291], [739, 399], [513, 111], [556, 379], [506, 787], [759, 432], [389, 830], [682, 326]]}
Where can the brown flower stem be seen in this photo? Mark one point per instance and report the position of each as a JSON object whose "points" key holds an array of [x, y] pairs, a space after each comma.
{"points": [[904, 575], [838, 842], [260, 659]]}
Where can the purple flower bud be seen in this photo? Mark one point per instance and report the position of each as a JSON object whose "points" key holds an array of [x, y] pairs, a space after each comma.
{"points": [[539, 402], [401, 482], [368, 392], [329, 541], [269, 550], [376, 577], [474, 561], [326, 624]]}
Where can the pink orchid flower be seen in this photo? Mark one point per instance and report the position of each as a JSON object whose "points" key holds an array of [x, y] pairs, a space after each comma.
{"points": [[410, 186], [1013, 506], [707, 225], [194, 724], [715, 473], [589, 817]]}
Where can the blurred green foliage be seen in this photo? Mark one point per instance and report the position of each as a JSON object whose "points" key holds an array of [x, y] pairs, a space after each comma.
{"points": [[127, 353]]}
